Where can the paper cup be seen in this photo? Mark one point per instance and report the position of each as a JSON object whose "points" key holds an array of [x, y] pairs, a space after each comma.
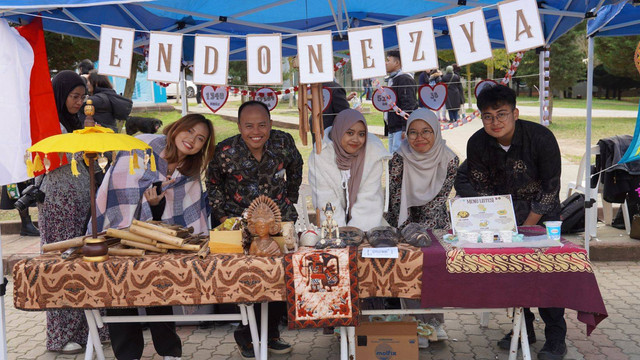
{"points": [[553, 229], [506, 236], [486, 236]]}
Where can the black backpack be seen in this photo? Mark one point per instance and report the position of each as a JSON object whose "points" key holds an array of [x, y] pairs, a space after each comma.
{"points": [[572, 214], [120, 106]]}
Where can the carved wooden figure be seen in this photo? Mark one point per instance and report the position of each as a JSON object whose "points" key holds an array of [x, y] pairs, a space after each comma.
{"points": [[264, 219]]}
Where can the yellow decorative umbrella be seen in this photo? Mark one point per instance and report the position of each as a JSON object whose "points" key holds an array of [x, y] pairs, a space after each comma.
{"points": [[92, 140]]}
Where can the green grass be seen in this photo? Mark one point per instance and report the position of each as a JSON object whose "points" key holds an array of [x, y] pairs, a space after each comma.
{"points": [[625, 104], [574, 127]]}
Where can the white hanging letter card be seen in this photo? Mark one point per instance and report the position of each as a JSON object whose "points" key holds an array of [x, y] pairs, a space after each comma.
{"points": [[211, 60], [264, 59], [521, 25], [165, 56], [417, 45], [367, 52], [116, 51], [469, 37], [315, 56]]}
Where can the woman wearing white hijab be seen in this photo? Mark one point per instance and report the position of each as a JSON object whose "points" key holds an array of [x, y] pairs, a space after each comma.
{"points": [[421, 175], [348, 172]]}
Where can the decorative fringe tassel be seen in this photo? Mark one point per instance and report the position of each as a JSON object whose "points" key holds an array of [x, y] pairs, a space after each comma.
{"points": [[131, 172], [152, 161], [74, 167], [30, 167], [135, 160], [86, 159], [37, 163]]}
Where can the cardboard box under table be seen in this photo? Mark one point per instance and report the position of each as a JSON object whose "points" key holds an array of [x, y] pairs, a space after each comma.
{"points": [[387, 340]]}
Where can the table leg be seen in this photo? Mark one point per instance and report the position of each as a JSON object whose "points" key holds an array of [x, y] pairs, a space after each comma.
{"points": [[88, 352], [93, 333], [524, 339], [264, 332], [484, 319], [255, 339], [518, 319], [344, 347], [351, 339]]}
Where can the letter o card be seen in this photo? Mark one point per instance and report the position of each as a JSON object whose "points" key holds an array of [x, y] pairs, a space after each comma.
{"points": [[264, 59], [384, 100], [215, 96], [267, 96], [116, 51]]}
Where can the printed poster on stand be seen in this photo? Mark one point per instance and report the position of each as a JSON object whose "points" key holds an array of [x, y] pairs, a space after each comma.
{"points": [[483, 213]]}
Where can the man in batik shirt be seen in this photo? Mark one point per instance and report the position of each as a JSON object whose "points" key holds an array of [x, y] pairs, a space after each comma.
{"points": [[258, 161], [520, 158]]}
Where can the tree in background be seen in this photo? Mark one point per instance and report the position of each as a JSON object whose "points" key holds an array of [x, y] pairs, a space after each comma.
{"points": [[610, 82], [65, 52], [616, 56], [566, 65]]}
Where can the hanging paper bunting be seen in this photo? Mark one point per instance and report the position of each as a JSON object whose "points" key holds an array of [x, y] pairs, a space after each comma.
{"points": [[165, 53], [210, 60], [116, 51], [267, 96], [384, 98], [340, 64], [467, 119], [326, 98], [482, 84], [215, 96], [521, 25], [314, 64], [512, 69], [264, 59], [367, 52], [417, 44], [433, 97], [469, 36]]}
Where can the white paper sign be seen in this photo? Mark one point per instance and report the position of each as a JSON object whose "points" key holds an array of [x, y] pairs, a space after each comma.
{"points": [[267, 96], [264, 59], [417, 45], [215, 96], [434, 96], [367, 52], [210, 60], [116, 51], [469, 37], [383, 100], [165, 56], [326, 98], [482, 213], [315, 57], [521, 25], [380, 253]]}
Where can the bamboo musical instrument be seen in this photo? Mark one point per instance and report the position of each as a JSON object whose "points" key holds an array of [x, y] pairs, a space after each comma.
{"points": [[126, 252], [161, 229], [63, 245], [158, 236], [204, 251], [138, 245], [126, 235], [185, 247]]}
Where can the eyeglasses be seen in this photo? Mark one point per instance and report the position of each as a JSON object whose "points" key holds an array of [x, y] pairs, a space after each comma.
{"points": [[501, 117], [413, 134], [76, 97]]}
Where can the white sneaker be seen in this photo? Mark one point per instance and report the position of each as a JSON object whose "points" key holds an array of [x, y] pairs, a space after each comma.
{"points": [[442, 335], [71, 348], [171, 358]]}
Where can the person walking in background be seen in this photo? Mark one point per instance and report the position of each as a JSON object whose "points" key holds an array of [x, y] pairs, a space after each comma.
{"points": [[455, 96], [109, 106], [405, 88], [366, 84]]}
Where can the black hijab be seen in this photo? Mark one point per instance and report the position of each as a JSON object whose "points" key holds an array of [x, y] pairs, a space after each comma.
{"points": [[63, 84]]}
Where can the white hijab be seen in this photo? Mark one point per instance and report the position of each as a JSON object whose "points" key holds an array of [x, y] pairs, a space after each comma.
{"points": [[424, 173]]}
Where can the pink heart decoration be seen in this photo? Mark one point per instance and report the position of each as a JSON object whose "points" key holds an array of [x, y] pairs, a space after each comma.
{"points": [[433, 97], [215, 96], [326, 98], [267, 96], [482, 84]]}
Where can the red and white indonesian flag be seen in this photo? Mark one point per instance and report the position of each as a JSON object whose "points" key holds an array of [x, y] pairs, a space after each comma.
{"points": [[27, 104]]}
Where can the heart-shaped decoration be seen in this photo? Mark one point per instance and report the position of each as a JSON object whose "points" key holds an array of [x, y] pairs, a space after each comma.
{"points": [[482, 84], [326, 98], [215, 96], [384, 100], [433, 97], [267, 96]]}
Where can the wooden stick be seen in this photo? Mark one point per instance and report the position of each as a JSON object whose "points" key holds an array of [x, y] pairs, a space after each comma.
{"points": [[123, 234], [185, 247], [63, 245], [126, 252], [138, 245], [155, 227], [158, 236], [204, 251]]}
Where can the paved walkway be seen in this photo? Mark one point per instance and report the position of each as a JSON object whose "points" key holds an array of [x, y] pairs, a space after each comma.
{"points": [[617, 337]]}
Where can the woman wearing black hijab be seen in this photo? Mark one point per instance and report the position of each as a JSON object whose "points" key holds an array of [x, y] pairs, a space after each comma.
{"points": [[64, 213]]}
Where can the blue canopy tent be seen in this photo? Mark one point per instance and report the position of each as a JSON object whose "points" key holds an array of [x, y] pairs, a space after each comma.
{"points": [[616, 19]]}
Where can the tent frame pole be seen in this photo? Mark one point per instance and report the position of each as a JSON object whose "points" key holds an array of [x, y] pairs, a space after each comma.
{"points": [[3, 333], [587, 153]]}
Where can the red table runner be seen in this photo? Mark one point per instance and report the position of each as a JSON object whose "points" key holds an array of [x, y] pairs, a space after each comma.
{"points": [[514, 277]]}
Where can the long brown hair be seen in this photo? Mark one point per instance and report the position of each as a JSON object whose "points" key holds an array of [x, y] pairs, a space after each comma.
{"points": [[192, 165]]}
